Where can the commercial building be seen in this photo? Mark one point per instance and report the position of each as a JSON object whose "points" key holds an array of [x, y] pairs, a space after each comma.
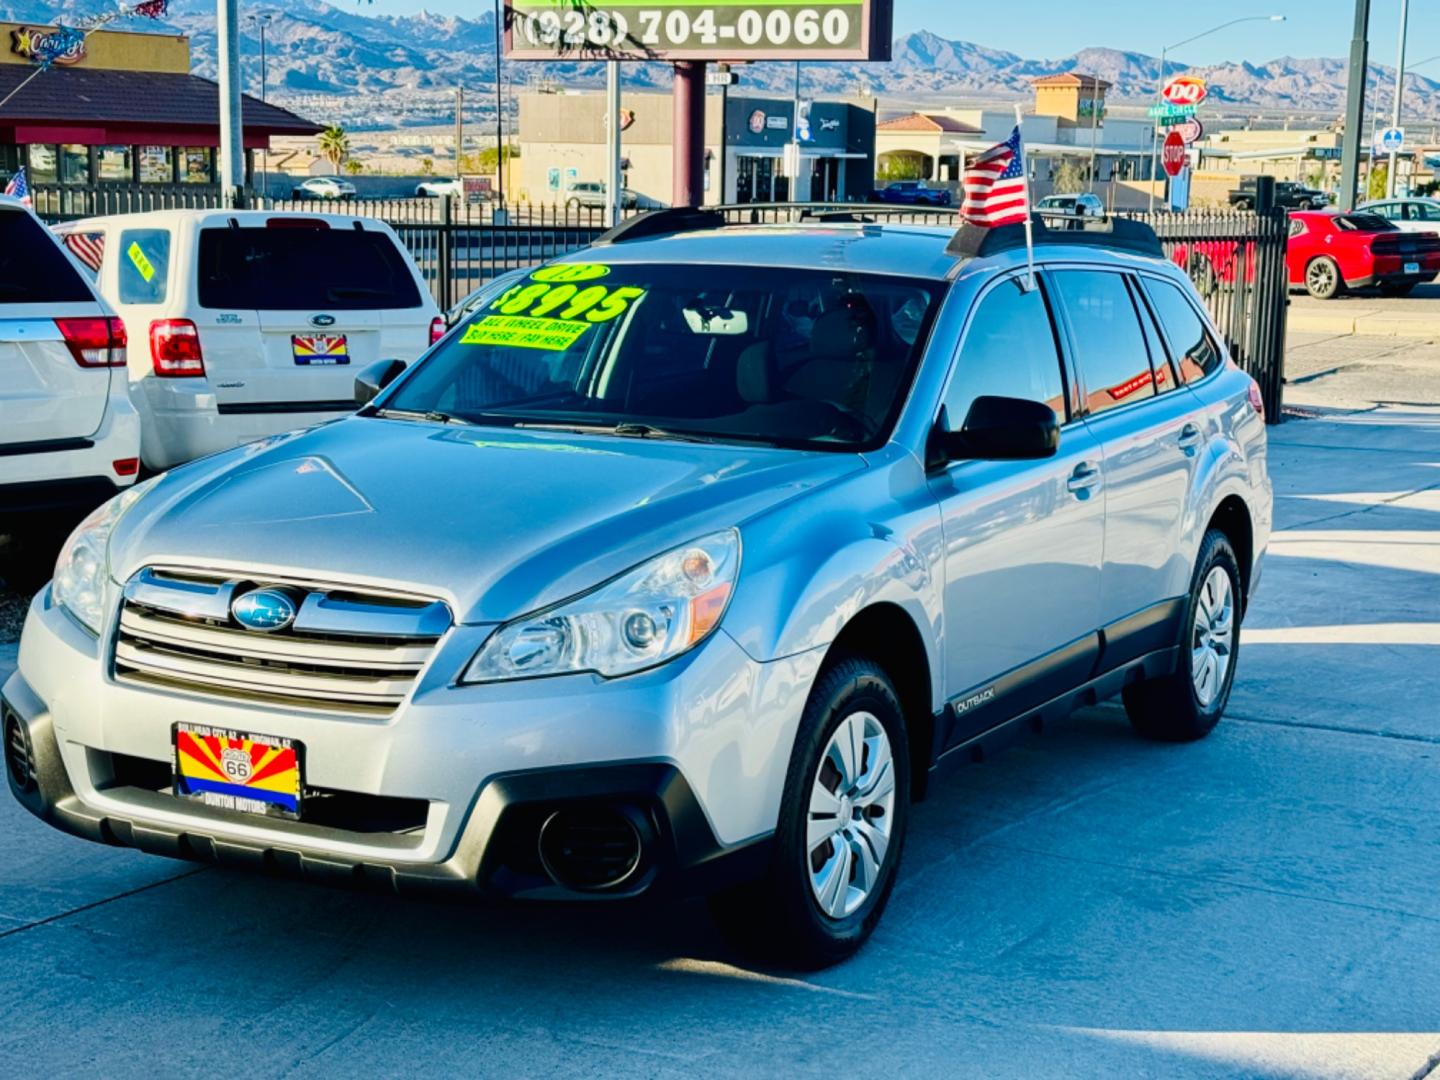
{"points": [[122, 109], [563, 143]]}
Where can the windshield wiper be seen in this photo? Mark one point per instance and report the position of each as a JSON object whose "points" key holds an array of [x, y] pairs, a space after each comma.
{"points": [[434, 416], [627, 429]]}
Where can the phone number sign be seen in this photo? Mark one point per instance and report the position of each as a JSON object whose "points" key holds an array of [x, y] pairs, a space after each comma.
{"points": [[698, 30]]}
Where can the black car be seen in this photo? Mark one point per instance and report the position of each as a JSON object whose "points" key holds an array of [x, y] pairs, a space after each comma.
{"points": [[913, 193], [1288, 193]]}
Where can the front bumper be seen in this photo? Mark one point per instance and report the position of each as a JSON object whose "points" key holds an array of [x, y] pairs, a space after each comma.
{"points": [[697, 750]]}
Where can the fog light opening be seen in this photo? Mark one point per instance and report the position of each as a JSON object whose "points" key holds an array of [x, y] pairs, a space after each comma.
{"points": [[19, 754], [593, 847]]}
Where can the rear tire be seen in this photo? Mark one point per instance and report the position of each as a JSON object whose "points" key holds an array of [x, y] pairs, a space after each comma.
{"points": [[842, 826], [1187, 704], [1322, 278]]}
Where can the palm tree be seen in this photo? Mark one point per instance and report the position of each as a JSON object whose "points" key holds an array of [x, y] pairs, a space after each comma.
{"points": [[353, 167], [334, 145]]}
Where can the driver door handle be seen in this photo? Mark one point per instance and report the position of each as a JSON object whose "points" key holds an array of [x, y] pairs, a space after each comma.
{"points": [[1189, 437], [1085, 477]]}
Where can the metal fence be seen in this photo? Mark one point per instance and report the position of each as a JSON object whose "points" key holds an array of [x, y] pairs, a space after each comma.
{"points": [[1235, 258]]}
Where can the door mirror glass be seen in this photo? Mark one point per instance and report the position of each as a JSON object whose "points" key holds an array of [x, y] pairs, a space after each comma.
{"points": [[373, 378], [1004, 429]]}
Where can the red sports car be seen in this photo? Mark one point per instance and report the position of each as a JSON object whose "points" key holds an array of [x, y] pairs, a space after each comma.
{"points": [[1329, 252]]}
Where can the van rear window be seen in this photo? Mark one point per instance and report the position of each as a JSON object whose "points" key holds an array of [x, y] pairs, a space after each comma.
{"points": [[303, 270], [33, 269]]}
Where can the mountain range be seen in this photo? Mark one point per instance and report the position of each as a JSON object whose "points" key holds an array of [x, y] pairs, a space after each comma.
{"points": [[341, 66]]}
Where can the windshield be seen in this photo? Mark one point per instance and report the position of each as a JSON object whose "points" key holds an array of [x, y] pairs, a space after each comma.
{"points": [[804, 358]]}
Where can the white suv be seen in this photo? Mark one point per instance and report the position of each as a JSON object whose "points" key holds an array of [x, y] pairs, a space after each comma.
{"points": [[250, 323], [69, 437]]}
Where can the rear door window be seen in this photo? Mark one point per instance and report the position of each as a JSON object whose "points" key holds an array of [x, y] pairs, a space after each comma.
{"points": [[1190, 343], [144, 265], [1009, 351], [303, 269], [33, 269], [1109, 346]]}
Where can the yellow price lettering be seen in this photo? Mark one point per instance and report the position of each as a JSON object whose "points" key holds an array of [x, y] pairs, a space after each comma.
{"points": [[571, 272], [614, 305]]}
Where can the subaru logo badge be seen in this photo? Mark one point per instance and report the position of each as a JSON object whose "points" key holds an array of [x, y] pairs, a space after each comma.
{"points": [[265, 610], [322, 320]]}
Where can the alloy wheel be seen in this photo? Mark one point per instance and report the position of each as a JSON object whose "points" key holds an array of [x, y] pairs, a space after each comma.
{"points": [[852, 801], [1320, 277], [1212, 644]]}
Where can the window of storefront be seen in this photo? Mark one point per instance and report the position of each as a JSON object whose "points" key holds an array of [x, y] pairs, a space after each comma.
{"points": [[156, 164], [42, 166], [9, 161], [114, 163], [195, 165], [74, 164]]}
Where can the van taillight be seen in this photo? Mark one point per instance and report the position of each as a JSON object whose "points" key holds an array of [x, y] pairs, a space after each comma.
{"points": [[175, 348], [437, 329], [94, 342]]}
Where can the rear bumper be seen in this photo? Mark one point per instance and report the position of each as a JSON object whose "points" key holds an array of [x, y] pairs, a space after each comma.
{"points": [[74, 478], [184, 421]]}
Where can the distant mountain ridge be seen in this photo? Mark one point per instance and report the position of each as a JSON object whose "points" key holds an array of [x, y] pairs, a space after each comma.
{"points": [[366, 69]]}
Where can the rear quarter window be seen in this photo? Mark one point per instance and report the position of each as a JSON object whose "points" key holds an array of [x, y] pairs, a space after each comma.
{"points": [[303, 269], [1191, 345], [33, 269], [144, 265]]}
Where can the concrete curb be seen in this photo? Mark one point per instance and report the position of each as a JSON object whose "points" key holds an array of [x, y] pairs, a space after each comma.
{"points": [[1368, 322]]}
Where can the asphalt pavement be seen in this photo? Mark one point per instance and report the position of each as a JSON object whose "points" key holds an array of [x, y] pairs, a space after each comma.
{"points": [[1260, 904]]}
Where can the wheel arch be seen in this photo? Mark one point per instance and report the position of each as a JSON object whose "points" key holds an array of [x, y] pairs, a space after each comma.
{"points": [[1232, 517], [887, 634]]}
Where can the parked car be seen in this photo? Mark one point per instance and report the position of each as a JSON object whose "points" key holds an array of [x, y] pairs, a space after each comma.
{"points": [[591, 195], [451, 187], [69, 437], [246, 323], [1408, 215], [323, 187], [1084, 205], [679, 566], [913, 193], [1288, 194], [1329, 252]]}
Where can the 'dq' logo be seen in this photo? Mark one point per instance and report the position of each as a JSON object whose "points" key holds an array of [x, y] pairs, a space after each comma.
{"points": [[58, 47], [1185, 90]]}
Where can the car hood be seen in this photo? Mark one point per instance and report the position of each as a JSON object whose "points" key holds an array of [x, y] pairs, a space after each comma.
{"points": [[495, 521]]}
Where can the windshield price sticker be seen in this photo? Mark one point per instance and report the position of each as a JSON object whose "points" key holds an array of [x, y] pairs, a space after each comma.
{"points": [[144, 265], [597, 303], [698, 29], [552, 335], [570, 272]]}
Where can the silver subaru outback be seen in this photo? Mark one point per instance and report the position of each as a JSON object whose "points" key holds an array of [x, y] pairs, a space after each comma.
{"points": [[679, 564]]}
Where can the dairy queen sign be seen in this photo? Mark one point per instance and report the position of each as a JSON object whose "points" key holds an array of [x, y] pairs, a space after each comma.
{"points": [[34, 44]]}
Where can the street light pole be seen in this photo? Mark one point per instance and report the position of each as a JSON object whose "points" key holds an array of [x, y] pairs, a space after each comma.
{"points": [[261, 21], [1155, 133], [232, 137], [1399, 93], [499, 115], [459, 127], [1355, 106]]}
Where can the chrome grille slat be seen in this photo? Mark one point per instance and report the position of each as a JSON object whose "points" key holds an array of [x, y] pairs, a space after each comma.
{"points": [[359, 651]]}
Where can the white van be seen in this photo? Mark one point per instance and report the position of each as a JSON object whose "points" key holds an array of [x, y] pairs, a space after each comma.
{"points": [[248, 323], [69, 437]]}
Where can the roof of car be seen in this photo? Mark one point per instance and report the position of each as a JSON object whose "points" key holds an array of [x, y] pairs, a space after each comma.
{"points": [[172, 218], [909, 250]]}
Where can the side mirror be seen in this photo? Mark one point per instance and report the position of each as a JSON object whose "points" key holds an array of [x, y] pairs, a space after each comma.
{"points": [[1003, 429], [373, 378]]}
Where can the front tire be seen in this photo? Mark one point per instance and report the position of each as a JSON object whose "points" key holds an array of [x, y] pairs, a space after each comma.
{"points": [[842, 826], [1187, 704], [1322, 278]]}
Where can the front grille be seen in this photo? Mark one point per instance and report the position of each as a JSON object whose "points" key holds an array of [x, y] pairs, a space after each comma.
{"points": [[347, 650]]}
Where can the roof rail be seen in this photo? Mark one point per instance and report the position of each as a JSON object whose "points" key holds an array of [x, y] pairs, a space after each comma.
{"points": [[677, 219], [1126, 234]]}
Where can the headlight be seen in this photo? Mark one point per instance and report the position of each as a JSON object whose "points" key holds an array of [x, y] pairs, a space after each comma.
{"points": [[83, 565], [647, 616]]}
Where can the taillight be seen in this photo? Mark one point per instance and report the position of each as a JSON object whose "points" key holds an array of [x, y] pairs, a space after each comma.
{"points": [[1256, 401], [175, 348], [437, 329], [94, 342]]}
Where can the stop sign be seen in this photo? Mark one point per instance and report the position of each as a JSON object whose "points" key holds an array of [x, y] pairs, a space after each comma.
{"points": [[1172, 154]]}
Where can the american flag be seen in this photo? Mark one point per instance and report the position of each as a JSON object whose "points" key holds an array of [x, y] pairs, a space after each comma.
{"points": [[18, 187], [994, 185], [89, 248]]}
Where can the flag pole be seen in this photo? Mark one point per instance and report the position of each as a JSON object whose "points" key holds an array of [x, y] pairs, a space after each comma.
{"points": [[1029, 233]]}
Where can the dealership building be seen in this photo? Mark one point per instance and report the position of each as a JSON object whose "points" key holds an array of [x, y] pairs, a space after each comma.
{"points": [[121, 110], [563, 143]]}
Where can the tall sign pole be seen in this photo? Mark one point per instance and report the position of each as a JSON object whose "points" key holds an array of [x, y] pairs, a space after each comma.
{"points": [[614, 193], [460, 130], [1394, 166], [1355, 106], [689, 112], [232, 148]]}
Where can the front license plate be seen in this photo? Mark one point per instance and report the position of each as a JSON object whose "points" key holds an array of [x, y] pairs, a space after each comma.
{"points": [[235, 770], [1412, 268], [320, 349]]}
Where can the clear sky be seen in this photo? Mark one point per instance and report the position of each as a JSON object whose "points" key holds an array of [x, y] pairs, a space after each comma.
{"points": [[1050, 29]]}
